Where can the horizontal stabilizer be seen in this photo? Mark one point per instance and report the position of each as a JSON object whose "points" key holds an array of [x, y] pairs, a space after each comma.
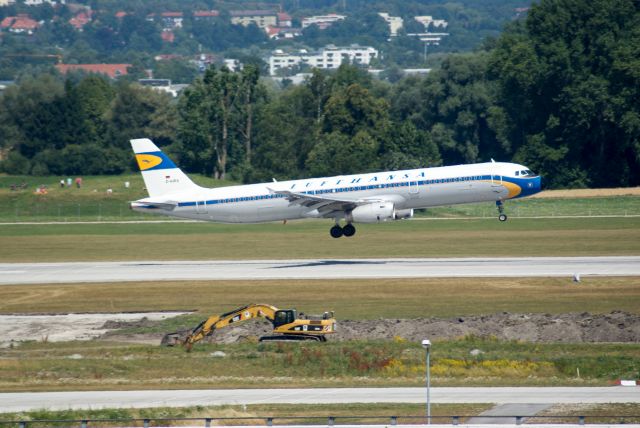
{"points": [[145, 204]]}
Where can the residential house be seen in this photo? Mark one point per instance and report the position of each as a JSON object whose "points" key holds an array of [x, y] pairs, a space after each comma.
{"points": [[284, 20], [262, 18], [39, 2], [168, 36], [278, 33], [21, 24], [81, 19], [322, 21], [205, 15], [169, 20], [428, 21], [395, 23]]}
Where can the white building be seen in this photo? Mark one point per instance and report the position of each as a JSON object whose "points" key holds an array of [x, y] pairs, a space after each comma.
{"points": [[427, 20], [395, 23], [322, 21], [328, 58], [39, 2]]}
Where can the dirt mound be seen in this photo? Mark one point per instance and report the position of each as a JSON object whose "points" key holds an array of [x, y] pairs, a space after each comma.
{"points": [[583, 327]]}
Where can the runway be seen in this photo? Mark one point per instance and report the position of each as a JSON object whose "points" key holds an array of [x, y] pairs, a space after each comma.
{"points": [[39, 273], [18, 402]]}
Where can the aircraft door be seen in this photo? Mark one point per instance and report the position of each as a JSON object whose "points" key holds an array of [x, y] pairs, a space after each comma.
{"points": [[201, 207], [496, 179], [414, 189]]}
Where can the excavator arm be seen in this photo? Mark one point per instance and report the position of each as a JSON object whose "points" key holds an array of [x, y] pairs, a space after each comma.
{"points": [[216, 322]]}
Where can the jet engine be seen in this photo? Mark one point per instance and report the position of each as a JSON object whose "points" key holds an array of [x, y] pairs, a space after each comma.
{"points": [[402, 214], [374, 212]]}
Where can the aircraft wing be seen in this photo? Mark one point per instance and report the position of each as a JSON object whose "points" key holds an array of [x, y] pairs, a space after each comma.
{"points": [[325, 204]]}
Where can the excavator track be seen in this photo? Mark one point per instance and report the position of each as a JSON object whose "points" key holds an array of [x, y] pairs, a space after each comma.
{"points": [[293, 338]]}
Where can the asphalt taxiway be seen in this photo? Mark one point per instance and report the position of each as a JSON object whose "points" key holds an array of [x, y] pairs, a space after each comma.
{"points": [[34, 273]]}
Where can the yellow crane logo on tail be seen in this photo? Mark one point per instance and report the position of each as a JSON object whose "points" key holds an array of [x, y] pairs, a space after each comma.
{"points": [[148, 161]]}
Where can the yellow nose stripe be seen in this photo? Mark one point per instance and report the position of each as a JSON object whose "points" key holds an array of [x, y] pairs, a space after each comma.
{"points": [[148, 161], [514, 189]]}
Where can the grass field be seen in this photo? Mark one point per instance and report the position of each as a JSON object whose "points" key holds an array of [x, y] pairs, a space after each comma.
{"points": [[256, 414], [310, 239], [381, 298], [43, 366], [318, 413]]}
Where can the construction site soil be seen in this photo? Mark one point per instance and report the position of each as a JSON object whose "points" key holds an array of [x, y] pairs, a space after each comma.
{"points": [[616, 326]]}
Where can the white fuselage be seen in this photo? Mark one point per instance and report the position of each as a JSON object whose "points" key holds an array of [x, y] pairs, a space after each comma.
{"points": [[408, 189]]}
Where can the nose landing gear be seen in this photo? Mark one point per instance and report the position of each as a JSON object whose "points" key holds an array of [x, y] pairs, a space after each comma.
{"points": [[501, 216], [348, 230]]}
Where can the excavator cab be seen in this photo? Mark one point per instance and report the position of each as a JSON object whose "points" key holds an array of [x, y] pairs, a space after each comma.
{"points": [[284, 316]]}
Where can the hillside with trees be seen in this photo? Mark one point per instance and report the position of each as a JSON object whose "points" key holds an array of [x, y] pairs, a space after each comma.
{"points": [[120, 31], [558, 91]]}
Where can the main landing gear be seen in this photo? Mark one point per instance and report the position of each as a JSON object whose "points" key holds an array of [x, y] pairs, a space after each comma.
{"points": [[501, 216], [337, 231]]}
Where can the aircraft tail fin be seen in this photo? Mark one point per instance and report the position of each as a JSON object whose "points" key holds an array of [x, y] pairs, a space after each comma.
{"points": [[161, 176]]}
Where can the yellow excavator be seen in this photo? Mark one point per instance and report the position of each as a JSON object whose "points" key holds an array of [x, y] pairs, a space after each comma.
{"points": [[287, 325]]}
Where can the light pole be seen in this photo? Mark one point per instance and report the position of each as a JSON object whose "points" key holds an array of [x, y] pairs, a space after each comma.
{"points": [[426, 344]]}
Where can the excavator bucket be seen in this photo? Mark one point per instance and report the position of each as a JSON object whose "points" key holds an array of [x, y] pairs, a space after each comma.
{"points": [[176, 338]]}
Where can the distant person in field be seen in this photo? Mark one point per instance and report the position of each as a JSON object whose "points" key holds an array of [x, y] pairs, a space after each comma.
{"points": [[68, 181], [79, 182], [62, 184]]}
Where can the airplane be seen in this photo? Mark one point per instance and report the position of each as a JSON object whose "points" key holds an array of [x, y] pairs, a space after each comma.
{"points": [[360, 198]]}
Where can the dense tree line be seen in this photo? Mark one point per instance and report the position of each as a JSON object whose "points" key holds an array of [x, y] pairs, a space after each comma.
{"points": [[558, 92]]}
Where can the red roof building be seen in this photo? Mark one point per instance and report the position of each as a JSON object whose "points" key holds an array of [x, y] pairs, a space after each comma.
{"points": [[167, 36], [172, 14], [205, 14], [81, 19], [284, 19], [120, 14], [19, 24], [6, 23], [112, 70]]}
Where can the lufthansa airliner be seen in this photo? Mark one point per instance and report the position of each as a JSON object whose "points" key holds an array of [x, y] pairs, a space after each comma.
{"points": [[359, 198]]}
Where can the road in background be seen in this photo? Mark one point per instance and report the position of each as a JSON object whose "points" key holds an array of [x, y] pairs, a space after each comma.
{"points": [[18, 402]]}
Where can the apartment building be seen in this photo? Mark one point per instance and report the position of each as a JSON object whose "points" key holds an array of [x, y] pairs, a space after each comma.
{"points": [[328, 58]]}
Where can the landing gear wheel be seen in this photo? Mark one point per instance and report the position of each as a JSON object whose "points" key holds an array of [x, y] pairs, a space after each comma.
{"points": [[349, 230], [336, 231], [502, 217]]}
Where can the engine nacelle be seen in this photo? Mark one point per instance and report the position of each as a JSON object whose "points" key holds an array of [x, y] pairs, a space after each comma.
{"points": [[402, 214], [374, 212]]}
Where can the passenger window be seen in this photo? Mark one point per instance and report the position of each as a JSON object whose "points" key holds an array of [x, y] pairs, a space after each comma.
{"points": [[517, 173]]}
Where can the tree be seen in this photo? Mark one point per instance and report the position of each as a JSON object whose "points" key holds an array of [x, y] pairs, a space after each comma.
{"points": [[206, 111], [568, 85]]}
